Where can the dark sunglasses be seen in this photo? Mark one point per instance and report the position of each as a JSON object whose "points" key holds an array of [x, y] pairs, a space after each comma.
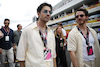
{"points": [[6, 23], [46, 11], [80, 16]]}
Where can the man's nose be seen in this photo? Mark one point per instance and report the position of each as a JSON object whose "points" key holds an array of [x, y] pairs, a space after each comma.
{"points": [[48, 13], [79, 17]]}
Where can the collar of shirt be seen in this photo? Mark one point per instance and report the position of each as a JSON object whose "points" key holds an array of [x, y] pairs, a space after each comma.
{"points": [[34, 25]]}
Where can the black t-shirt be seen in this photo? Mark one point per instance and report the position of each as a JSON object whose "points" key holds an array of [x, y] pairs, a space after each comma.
{"points": [[6, 44], [59, 40]]}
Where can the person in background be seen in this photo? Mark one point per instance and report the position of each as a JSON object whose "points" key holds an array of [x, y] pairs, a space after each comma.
{"points": [[37, 42], [6, 48], [99, 37], [60, 47], [64, 34], [83, 44], [1, 26], [17, 35]]}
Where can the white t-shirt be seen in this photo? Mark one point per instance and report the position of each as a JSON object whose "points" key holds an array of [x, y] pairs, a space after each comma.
{"points": [[64, 32], [99, 36], [91, 43]]}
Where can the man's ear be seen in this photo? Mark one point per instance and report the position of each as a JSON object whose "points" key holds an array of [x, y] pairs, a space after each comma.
{"points": [[87, 17], [38, 13]]}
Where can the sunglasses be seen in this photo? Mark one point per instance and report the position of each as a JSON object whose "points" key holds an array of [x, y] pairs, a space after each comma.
{"points": [[6, 23], [80, 16], [46, 11]]}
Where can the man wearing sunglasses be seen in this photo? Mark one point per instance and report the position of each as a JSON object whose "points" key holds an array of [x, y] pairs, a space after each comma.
{"points": [[82, 43], [6, 41], [37, 42]]}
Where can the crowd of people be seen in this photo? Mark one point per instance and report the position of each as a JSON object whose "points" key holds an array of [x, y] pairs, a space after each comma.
{"points": [[38, 46], [8, 43]]}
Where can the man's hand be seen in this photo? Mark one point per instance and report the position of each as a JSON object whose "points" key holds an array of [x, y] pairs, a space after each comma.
{"points": [[1, 34], [14, 46], [22, 63], [0, 51], [63, 47], [73, 58], [54, 62]]}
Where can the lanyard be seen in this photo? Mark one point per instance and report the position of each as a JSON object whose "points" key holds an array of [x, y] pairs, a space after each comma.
{"points": [[87, 35], [6, 31], [59, 37], [44, 39]]}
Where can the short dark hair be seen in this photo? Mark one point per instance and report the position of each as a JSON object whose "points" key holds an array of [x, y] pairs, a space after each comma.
{"points": [[84, 10], [18, 25], [6, 20], [42, 5]]}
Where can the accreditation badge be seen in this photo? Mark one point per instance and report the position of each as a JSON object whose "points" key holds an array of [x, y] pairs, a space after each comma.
{"points": [[90, 50], [6, 38], [47, 55], [61, 44]]}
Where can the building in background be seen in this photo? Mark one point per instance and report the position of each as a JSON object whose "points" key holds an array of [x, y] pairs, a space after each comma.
{"points": [[34, 18], [63, 12]]}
